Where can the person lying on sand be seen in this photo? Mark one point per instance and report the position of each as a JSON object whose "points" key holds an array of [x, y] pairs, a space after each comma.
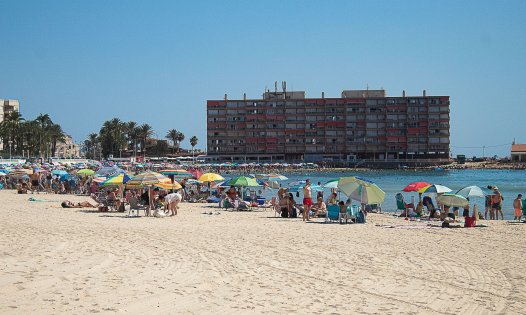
{"points": [[84, 204]]}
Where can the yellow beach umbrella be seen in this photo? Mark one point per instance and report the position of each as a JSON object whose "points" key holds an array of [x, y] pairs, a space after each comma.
{"points": [[210, 177], [168, 185]]}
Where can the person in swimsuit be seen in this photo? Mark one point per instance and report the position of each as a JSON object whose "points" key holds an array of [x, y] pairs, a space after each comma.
{"points": [[517, 207], [307, 200]]}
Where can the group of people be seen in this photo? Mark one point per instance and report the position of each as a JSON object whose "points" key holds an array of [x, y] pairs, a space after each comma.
{"points": [[493, 207]]}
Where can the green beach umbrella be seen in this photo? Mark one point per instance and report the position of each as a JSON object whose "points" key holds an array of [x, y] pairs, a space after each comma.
{"points": [[361, 190], [243, 181]]}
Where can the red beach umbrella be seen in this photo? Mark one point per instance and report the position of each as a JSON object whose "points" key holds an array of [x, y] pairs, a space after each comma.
{"points": [[415, 186]]}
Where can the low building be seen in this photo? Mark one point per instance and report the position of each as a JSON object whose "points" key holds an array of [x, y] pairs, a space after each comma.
{"points": [[518, 152], [68, 149]]}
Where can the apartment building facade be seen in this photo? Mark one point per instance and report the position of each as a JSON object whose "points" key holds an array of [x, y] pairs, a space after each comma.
{"points": [[359, 125], [8, 106]]}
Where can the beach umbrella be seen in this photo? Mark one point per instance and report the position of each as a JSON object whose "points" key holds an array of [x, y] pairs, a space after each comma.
{"points": [[20, 172], [271, 177], [109, 171], [474, 191], [415, 186], [85, 172], [362, 190], [169, 186], [210, 177], [437, 189], [99, 179], [453, 200], [59, 172], [117, 180], [243, 181], [147, 179], [176, 173], [331, 184], [298, 185]]}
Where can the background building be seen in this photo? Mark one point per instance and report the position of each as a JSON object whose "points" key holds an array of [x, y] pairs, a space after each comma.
{"points": [[68, 149], [8, 106], [359, 125]]}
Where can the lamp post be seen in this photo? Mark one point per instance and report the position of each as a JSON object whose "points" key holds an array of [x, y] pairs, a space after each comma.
{"points": [[10, 156]]}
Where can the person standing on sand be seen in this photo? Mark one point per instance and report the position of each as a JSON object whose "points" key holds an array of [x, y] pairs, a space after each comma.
{"points": [[496, 203], [517, 207], [307, 200]]}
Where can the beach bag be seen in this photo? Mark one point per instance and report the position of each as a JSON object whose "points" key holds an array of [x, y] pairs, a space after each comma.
{"points": [[121, 207], [469, 222], [284, 213]]}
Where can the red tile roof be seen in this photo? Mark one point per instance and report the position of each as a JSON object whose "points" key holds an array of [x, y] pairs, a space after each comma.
{"points": [[518, 148]]}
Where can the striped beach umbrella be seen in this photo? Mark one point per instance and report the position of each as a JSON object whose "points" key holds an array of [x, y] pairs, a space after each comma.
{"points": [[116, 180], [147, 179]]}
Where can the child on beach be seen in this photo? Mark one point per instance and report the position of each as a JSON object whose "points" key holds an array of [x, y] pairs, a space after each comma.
{"points": [[517, 207]]}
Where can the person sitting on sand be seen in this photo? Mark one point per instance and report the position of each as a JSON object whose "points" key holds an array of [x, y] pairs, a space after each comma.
{"points": [[83, 204], [319, 208]]}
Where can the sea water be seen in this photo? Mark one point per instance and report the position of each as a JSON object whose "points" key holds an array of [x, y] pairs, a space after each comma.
{"points": [[509, 182]]}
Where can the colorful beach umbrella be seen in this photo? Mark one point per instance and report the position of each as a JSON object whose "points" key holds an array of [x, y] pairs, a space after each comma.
{"points": [[210, 177], [109, 171], [437, 189], [361, 190], [169, 186], [147, 179], [453, 200], [116, 180], [415, 186], [331, 184]]}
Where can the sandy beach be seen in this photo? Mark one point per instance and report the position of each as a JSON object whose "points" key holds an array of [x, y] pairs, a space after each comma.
{"points": [[77, 261]]}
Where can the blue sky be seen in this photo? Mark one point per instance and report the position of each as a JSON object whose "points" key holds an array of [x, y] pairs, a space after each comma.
{"points": [[157, 62]]}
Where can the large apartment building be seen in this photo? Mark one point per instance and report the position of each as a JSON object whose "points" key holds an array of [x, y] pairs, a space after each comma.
{"points": [[7, 107], [359, 125]]}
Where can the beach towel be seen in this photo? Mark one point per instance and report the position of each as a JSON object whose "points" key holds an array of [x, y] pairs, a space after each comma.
{"points": [[39, 200]]}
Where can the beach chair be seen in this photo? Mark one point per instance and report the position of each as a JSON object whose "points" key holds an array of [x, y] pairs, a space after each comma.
{"points": [[352, 212], [333, 214], [401, 205], [136, 206]]}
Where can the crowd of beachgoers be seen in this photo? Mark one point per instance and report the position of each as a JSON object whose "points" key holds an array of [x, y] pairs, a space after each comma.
{"points": [[176, 183]]}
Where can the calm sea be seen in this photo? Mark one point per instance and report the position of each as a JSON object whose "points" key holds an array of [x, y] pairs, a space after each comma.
{"points": [[510, 183]]}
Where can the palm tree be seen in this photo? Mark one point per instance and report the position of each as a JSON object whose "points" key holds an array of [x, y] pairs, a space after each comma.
{"points": [[56, 135], [10, 128], [172, 135], [193, 143], [44, 121], [91, 144], [145, 131], [180, 138]]}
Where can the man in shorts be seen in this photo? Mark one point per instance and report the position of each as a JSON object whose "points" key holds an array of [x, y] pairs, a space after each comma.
{"points": [[307, 200], [496, 203], [517, 208]]}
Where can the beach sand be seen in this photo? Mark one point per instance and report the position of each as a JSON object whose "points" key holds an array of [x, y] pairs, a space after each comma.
{"points": [[77, 261]]}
